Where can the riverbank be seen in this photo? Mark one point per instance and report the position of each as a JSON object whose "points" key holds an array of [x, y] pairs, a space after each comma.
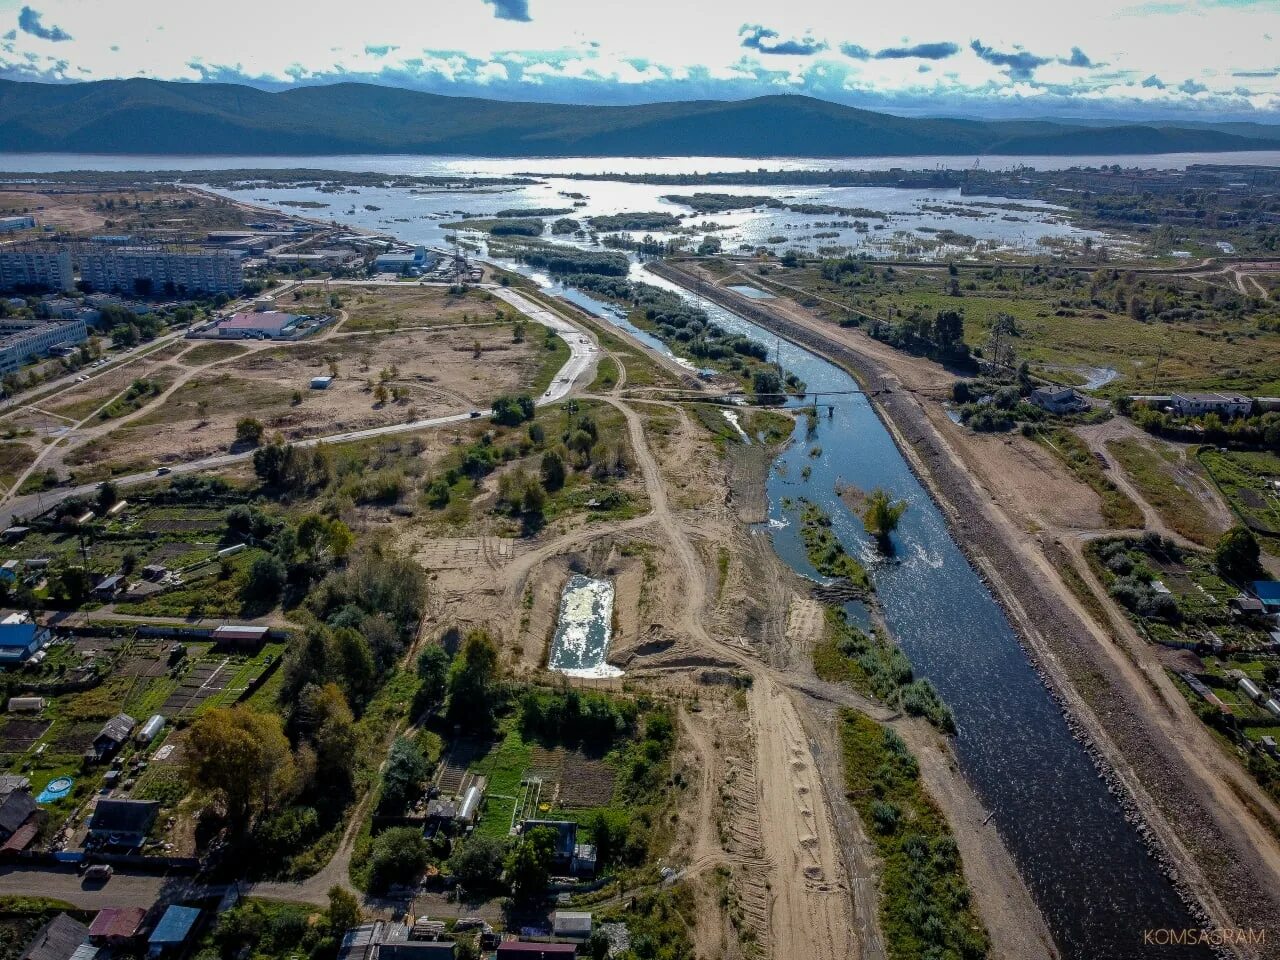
{"points": [[1203, 841]]}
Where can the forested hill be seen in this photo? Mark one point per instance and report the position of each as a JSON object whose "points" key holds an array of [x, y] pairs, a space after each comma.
{"points": [[149, 116]]}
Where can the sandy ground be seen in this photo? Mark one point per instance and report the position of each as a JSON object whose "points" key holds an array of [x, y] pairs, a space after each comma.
{"points": [[197, 415]]}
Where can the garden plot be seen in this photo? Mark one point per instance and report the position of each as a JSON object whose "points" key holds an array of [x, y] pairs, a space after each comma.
{"points": [[203, 681], [17, 736], [572, 780], [76, 738]]}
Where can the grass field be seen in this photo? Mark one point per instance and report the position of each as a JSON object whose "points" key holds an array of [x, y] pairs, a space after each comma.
{"points": [[397, 308], [924, 902], [1156, 479], [1118, 510]]}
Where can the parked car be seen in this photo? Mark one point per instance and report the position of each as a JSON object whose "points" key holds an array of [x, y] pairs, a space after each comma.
{"points": [[98, 873]]}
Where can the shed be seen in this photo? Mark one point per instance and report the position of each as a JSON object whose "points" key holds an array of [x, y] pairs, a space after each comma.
{"points": [[109, 586], [114, 733], [14, 534], [571, 923], [56, 940], [115, 926], [239, 635], [173, 930], [321, 383]]}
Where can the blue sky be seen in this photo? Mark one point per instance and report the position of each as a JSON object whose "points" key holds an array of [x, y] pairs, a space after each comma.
{"points": [[1203, 59]]}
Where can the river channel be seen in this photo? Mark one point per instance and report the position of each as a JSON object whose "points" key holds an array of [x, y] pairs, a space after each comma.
{"points": [[1089, 871]]}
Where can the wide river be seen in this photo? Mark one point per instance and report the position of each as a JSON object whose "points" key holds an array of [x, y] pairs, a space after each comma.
{"points": [[1087, 868]]}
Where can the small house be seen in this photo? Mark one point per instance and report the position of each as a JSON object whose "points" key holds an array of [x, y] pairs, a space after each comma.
{"points": [[113, 735], [1246, 606], [17, 809], [155, 571], [20, 637], [123, 824], [571, 924], [1058, 399], [108, 587], [1268, 594], [56, 940], [173, 931], [116, 926]]}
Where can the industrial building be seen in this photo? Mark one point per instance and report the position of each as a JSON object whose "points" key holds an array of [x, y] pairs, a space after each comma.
{"points": [[37, 267], [414, 261], [263, 325], [1223, 404], [13, 224], [161, 269]]}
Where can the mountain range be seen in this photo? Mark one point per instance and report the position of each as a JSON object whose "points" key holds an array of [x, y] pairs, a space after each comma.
{"points": [[164, 117]]}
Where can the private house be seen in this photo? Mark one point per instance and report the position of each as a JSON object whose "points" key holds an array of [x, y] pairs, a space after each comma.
{"points": [[1225, 405], [1058, 399], [173, 931], [18, 822], [1268, 594], [113, 735], [20, 637], [116, 926], [122, 824], [566, 832], [108, 587], [56, 940]]}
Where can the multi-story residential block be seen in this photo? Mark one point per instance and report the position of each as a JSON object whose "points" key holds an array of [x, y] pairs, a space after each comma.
{"points": [[20, 340], [161, 270], [36, 267]]}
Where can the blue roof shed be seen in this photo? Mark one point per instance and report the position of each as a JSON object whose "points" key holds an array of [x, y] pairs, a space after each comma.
{"points": [[1268, 591], [174, 928]]}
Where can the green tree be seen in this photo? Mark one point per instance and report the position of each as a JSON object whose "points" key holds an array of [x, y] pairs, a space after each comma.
{"points": [[402, 777], [325, 719], [529, 864], [553, 472], [108, 494], [344, 910], [473, 681], [512, 410], [249, 431], [398, 856], [1237, 554], [242, 757], [266, 579], [355, 664], [880, 515], [433, 671], [477, 863]]}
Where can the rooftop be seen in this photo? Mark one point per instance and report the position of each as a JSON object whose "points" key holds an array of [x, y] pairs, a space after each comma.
{"points": [[175, 926], [117, 923], [266, 320]]}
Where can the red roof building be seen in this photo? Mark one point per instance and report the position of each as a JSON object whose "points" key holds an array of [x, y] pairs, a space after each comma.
{"points": [[116, 925]]}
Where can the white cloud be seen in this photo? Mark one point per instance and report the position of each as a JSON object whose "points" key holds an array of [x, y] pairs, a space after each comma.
{"points": [[607, 50]]}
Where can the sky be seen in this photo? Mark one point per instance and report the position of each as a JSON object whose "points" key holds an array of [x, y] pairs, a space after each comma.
{"points": [[1109, 59]]}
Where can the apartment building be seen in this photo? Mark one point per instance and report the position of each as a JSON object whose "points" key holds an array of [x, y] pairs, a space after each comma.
{"points": [[160, 270], [36, 267], [12, 224]]}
